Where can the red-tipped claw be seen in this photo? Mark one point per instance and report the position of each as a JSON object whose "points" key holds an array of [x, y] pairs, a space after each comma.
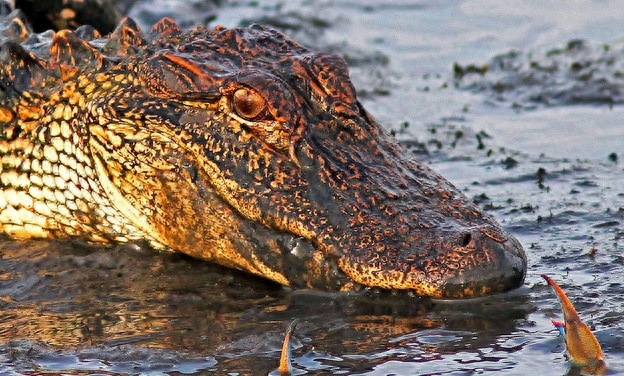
{"points": [[560, 325]]}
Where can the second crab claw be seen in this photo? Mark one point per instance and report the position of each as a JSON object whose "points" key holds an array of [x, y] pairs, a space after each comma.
{"points": [[285, 364], [583, 347]]}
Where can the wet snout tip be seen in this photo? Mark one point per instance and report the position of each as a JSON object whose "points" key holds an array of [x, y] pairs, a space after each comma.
{"points": [[505, 269]]}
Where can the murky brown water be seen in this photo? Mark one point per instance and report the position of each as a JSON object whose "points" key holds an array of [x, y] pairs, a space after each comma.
{"points": [[551, 170]]}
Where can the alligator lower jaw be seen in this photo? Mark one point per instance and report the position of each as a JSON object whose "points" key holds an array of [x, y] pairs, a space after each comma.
{"points": [[451, 291], [358, 288], [507, 273], [485, 265], [459, 287]]}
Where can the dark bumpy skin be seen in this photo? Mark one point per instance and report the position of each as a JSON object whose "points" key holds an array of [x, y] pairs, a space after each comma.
{"points": [[235, 146]]}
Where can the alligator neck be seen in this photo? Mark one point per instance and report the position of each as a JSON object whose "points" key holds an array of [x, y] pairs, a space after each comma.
{"points": [[53, 185]]}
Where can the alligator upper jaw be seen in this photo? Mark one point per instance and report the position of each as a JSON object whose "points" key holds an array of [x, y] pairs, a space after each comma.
{"points": [[506, 271], [485, 265]]}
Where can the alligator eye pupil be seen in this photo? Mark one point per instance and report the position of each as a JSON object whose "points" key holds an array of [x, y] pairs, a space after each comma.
{"points": [[248, 103]]}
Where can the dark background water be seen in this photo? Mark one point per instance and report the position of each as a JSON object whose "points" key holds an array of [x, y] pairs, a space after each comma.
{"points": [[541, 149]]}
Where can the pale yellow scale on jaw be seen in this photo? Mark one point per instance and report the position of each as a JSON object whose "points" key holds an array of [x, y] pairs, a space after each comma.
{"points": [[43, 209], [55, 129], [58, 143], [58, 112], [35, 192], [8, 177], [50, 155], [47, 180], [46, 166]]}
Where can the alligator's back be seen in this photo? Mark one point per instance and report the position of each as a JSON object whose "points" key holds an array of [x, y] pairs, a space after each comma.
{"points": [[233, 145]]}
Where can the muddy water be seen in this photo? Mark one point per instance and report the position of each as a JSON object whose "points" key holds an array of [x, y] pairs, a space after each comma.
{"points": [[550, 169]]}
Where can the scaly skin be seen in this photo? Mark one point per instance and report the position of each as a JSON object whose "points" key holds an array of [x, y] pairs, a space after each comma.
{"points": [[235, 146]]}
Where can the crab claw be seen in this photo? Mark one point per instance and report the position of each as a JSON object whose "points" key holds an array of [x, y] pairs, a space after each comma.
{"points": [[583, 347], [285, 365]]}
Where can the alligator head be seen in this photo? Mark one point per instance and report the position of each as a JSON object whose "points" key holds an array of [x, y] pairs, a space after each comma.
{"points": [[241, 147]]}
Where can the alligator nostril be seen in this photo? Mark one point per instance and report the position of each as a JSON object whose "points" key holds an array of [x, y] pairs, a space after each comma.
{"points": [[466, 240]]}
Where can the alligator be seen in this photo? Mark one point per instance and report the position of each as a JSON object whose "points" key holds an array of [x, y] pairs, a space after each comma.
{"points": [[236, 146]]}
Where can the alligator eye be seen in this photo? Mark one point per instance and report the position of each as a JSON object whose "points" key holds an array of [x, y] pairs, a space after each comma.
{"points": [[248, 103]]}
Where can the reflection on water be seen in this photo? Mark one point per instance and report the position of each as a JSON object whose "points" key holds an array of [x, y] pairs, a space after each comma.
{"points": [[80, 309], [64, 306], [66, 296]]}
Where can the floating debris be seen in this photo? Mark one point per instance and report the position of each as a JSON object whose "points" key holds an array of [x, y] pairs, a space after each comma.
{"points": [[578, 73], [583, 347]]}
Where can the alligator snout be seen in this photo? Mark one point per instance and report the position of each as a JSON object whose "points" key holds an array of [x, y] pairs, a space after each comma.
{"points": [[443, 263], [502, 268]]}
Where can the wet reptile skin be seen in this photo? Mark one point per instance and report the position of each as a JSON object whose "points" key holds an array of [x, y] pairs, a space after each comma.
{"points": [[236, 146]]}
